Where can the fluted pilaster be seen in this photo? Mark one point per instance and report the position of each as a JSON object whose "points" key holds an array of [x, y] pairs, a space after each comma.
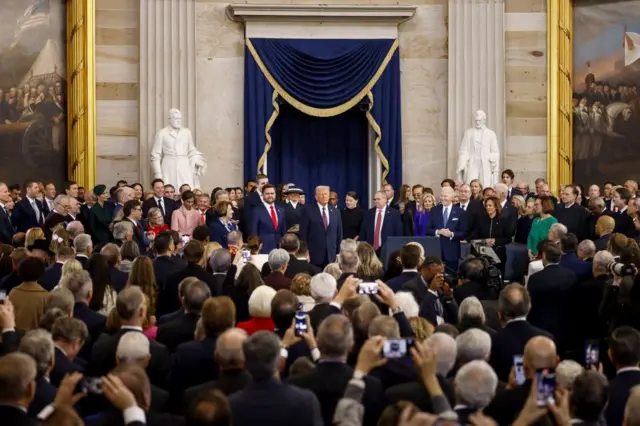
{"points": [[167, 70], [476, 71]]}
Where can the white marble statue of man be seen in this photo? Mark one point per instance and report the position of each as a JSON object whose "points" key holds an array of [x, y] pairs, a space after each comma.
{"points": [[479, 155], [174, 157]]}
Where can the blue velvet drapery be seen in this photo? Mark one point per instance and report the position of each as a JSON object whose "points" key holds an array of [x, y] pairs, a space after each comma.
{"points": [[321, 78]]}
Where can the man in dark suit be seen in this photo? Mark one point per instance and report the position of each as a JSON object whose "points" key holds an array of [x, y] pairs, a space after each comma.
{"points": [[252, 200], [165, 263], [624, 222], [380, 223], [449, 223], [168, 298], [539, 352], [509, 213], [182, 329], [572, 215], [390, 194], [81, 287], [570, 259], [27, 212], [267, 400], [298, 254], [321, 228], [586, 300], [52, 274], [268, 220], [230, 358], [624, 351], [166, 205], [550, 291], [61, 213], [514, 304], [293, 208], [508, 179], [6, 227], [410, 258], [68, 334], [598, 209], [132, 310], [118, 278], [132, 212], [604, 229]]}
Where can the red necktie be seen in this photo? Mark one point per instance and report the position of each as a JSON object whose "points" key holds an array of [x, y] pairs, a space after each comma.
{"points": [[202, 218], [376, 232], [274, 218]]}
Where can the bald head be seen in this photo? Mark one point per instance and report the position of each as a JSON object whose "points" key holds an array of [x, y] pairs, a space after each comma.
{"points": [[229, 348], [605, 225], [540, 352]]}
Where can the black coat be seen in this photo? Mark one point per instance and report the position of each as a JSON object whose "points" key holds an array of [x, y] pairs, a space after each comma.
{"points": [[45, 394], [619, 389], [292, 215], [416, 393], [575, 218], [169, 205], [62, 366], [176, 332], [427, 302], [16, 417], [51, 276], [624, 224], [328, 382], [6, 228], [24, 217], [351, 222], [163, 266], [396, 283], [193, 364], [320, 312], [474, 288], [228, 382], [118, 278], [297, 266], [167, 318], [168, 300], [506, 406]]}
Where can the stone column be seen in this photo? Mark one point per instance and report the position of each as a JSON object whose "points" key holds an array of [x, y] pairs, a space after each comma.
{"points": [[476, 71], [167, 70]]}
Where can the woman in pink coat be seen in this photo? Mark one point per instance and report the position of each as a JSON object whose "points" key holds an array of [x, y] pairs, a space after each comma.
{"points": [[186, 218]]}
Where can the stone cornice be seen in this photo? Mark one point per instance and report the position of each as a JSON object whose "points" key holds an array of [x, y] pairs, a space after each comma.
{"points": [[355, 14]]}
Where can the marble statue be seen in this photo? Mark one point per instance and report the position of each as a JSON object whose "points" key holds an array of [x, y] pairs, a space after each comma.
{"points": [[479, 155], [174, 157]]}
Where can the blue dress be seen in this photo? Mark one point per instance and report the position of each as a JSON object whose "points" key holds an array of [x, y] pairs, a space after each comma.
{"points": [[420, 224]]}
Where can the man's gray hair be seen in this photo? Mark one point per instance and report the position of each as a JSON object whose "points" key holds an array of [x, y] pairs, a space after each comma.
{"points": [[501, 188], [38, 344], [558, 230], [75, 228], [234, 238], [566, 373], [278, 258], [348, 244], [473, 344], [588, 248], [335, 336], [348, 261], [596, 202], [122, 229], [323, 287], [220, 260], [262, 355], [60, 199], [475, 384], [228, 354], [445, 350], [80, 285], [129, 301], [132, 348], [601, 261], [322, 187], [471, 307], [384, 326], [69, 330], [219, 193], [82, 243], [195, 295]]}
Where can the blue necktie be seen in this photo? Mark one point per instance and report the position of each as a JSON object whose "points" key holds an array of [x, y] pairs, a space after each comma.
{"points": [[446, 215]]}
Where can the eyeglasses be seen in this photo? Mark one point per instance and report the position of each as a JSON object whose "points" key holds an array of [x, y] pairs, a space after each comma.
{"points": [[137, 209]]}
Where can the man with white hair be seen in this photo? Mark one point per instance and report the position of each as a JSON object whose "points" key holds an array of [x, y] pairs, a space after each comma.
{"points": [[474, 344], [556, 232], [566, 373], [475, 387], [471, 315], [380, 222], [60, 212], [348, 262], [321, 228], [84, 248], [323, 289], [122, 231], [38, 344], [75, 228], [586, 250], [348, 244], [133, 348], [448, 222], [278, 263]]}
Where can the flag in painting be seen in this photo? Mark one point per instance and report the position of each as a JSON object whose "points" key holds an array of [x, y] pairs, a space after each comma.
{"points": [[34, 15], [631, 48]]}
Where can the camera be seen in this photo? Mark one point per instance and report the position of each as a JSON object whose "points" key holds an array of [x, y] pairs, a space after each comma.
{"points": [[622, 269]]}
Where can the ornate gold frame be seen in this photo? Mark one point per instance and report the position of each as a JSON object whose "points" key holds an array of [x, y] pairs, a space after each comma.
{"points": [[81, 89], [559, 93]]}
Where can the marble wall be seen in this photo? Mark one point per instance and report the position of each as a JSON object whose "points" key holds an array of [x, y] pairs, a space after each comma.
{"points": [[117, 91], [526, 88]]}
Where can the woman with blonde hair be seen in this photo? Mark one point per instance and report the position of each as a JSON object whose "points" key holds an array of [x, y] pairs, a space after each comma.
{"points": [[69, 267], [370, 268], [301, 287], [59, 238], [156, 221], [421, 217], [143, 276], [333, 269], [32, 235], [208, 252], [476, 189]]}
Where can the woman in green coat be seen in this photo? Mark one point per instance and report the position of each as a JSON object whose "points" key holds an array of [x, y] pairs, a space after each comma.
{"points": [[544, 207], [100, 217]]}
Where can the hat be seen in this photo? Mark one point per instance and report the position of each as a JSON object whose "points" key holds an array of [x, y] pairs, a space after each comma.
{"points": [[41, 245], [99, 189], [293, 190]]}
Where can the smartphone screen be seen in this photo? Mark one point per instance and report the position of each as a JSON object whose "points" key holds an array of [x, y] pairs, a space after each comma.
{"points": [[246, 255], [591, 353], [368, 288], [518, 368], [301, 323], [546, 386], [397, 348], [91, 385], [3, 296]]}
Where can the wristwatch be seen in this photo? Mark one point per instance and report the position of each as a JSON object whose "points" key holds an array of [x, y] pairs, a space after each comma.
{"points": [[357, 374], [396, 310]]}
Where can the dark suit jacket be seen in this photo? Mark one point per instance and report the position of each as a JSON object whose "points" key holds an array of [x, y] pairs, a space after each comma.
{"points": [[103, 358], [118, 278], [170, 317], [179, 331], [416, 393], [83, 261], [251, 200], [168, 297], [163, 266], [391, 225], [193, 364], [396, 283], [319, 313], [550, 291], [62, 366], [169, 206], [619, 389], [510, 341], [270, 402], [23, 217], [323, 244], [510, 215], [218, 232], [395, 372], [6, 228], [328, 382], [474, 288], [293, 215], [54, 218], [51, 276], [15, 417], [228, 382], [45, 394], [602, 242], [95, 325], [297, 266], [582, 269], [506, 406], [428, 308], [457, 223], [262, 226], [278, 281], [575, 218], [624, 224], [10, 282]]}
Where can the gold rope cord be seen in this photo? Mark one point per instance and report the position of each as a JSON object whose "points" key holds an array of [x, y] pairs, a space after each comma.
{"points": [[267, 129], [376, 128]]}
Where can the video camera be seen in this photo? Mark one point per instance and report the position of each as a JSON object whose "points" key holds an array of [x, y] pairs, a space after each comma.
{"points": [[622, 269]]}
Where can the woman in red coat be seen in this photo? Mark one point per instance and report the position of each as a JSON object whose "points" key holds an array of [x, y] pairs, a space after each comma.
{"points": [[156, 221], [260, 311]]}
